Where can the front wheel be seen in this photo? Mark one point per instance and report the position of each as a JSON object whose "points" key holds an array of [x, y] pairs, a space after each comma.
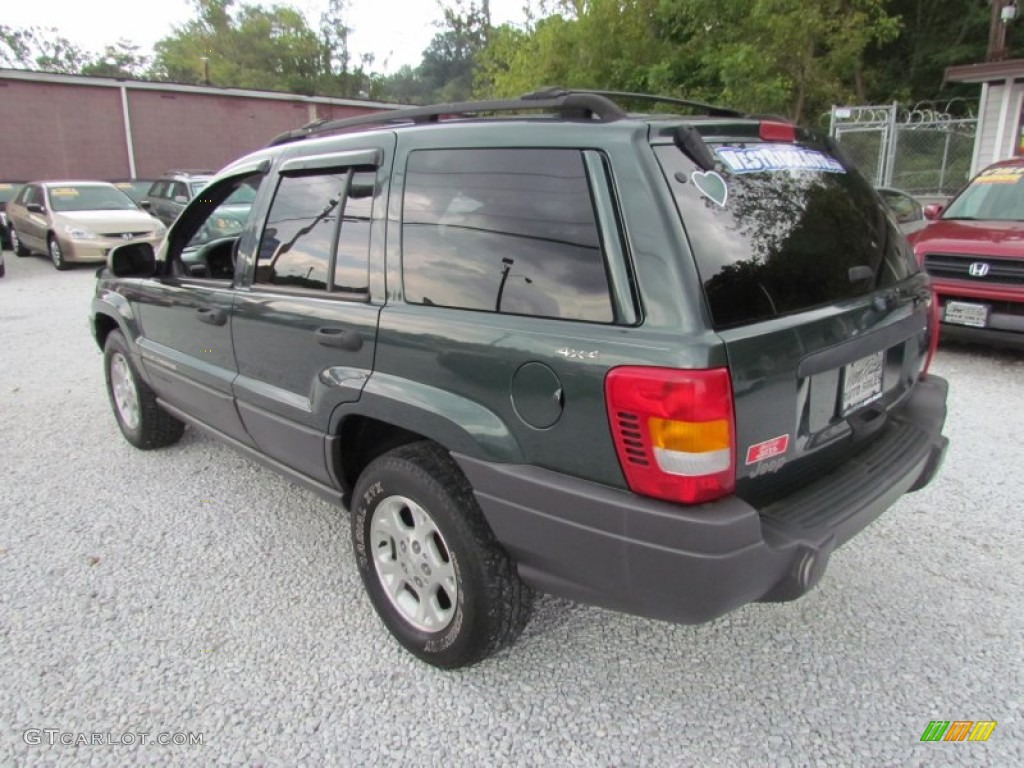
{"points": [[142, 421], [56, 255], [436, 576]]}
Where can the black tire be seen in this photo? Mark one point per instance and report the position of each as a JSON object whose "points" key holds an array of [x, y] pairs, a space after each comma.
{"points": [[16, 246], [491, 604], [151, 427], [56, 255]]}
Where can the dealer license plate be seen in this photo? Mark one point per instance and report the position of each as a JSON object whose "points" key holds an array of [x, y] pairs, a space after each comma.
{"points": [[862, 382], [966, 313]]}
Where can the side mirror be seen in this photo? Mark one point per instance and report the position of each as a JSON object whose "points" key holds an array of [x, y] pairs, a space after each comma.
{"points": [[931, 212], [35, 208], [146, 204], [180, 199], [132, 260]]}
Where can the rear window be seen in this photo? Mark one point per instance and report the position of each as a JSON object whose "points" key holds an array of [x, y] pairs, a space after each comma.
{"points": [[781, 228]]}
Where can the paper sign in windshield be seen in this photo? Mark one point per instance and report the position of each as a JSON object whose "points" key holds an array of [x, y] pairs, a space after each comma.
{"points": [[768, 158], [64, 192], [1000, 176]]}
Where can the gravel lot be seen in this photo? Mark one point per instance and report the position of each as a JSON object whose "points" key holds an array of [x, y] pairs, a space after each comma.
{"points": [[188, 590]]}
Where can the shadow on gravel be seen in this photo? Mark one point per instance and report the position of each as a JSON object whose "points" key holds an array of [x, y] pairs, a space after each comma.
{"points": [[1002, 355]]}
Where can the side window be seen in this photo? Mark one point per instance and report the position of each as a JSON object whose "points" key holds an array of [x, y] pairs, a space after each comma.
{"points": [[297, 248], [179, 190], [507, 230], [157, 190], [352, 270]]}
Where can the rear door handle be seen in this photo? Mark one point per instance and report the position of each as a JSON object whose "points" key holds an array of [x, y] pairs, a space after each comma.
{"points": [[342, 338], [212, 316]]}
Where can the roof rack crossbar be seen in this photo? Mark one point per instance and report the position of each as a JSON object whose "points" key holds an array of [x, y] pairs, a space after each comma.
{"points": [[568, 103]]}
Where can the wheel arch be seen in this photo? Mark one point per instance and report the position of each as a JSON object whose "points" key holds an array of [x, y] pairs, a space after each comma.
{"points": [[391, 413], [102, 326], [112, 312], [360, 440]]}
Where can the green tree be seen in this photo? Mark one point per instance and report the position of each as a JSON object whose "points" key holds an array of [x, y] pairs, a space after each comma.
{"points": [[40, 49], [119, 60], [794, 57], [447, 69], [610, 44], [264, 48], [782, 56], [932, 36]]}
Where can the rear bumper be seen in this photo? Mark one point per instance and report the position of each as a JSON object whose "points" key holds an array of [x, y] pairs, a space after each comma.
{"points": [[612, 548]]}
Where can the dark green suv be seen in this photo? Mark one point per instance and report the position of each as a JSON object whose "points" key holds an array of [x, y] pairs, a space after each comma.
{"points": [[661, 363]]}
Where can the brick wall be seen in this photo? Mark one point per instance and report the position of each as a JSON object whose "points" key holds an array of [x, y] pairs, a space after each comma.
{"points": [[60, 130]]}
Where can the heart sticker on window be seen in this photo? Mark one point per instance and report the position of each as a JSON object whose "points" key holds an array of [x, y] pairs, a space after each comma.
{"points": [[711, 185]]}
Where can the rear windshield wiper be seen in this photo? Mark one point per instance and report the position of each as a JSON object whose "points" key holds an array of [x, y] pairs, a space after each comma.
{"points": [[688, 139]]}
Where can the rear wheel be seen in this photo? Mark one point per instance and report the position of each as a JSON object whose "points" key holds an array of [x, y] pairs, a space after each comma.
{"points": [[436, 576], [56, 256], [142, 421], [16, 244]]}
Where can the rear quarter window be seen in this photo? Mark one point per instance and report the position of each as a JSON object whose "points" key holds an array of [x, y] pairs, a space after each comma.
{"points": [[504, 230]]}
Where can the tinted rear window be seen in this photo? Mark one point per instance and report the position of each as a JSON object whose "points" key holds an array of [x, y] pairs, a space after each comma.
{"points": [[778, 229]]}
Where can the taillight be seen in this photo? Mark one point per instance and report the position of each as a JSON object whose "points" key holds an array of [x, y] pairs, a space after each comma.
{"points": [[774, 130], [934, 314], [674, 431]]}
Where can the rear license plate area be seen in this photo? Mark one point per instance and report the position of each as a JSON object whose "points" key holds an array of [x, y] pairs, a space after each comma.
{"points": [[965, 313], [862, 382]]}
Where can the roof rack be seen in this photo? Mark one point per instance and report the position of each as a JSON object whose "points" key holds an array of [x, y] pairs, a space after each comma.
{"points": [[573, 104], [569, 104], [708, 109]]}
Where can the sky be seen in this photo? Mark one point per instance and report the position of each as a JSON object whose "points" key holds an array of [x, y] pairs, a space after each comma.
{"points": [[394, 31]]}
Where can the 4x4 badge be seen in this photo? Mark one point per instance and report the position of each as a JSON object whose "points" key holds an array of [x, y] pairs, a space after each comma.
{"points": [[578, 354]]}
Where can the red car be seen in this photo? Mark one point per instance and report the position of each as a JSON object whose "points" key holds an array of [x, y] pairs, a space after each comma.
{"points": [[974, 251]]}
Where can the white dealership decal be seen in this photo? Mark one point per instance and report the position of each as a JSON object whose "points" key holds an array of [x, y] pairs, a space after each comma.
{"points": [[769, 157]]}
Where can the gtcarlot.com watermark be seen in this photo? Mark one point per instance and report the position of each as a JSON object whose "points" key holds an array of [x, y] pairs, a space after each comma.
{"points": [[52, 737]]}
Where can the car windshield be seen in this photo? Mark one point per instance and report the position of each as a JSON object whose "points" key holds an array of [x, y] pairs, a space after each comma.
{"points": [[89, 198], [996, 194], [8, 191], [136, 190]]}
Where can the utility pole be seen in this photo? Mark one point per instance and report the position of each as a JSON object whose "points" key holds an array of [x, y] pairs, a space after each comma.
{"points": [[1003, 12]]}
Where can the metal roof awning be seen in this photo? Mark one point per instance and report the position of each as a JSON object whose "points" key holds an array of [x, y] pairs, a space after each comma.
{"points": [[984, 72]]}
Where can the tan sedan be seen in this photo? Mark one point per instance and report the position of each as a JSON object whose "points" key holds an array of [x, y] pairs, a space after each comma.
{"points": [[77, 221]]}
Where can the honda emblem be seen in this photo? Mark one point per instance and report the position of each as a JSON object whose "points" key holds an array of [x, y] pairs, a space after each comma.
{"points": [[978, 269]]}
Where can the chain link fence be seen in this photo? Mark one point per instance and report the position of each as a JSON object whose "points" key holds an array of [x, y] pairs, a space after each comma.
{"points": [[924, 150]]}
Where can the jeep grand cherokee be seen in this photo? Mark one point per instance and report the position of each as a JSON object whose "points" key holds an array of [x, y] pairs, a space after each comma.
{"points": [[664, 364]]}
